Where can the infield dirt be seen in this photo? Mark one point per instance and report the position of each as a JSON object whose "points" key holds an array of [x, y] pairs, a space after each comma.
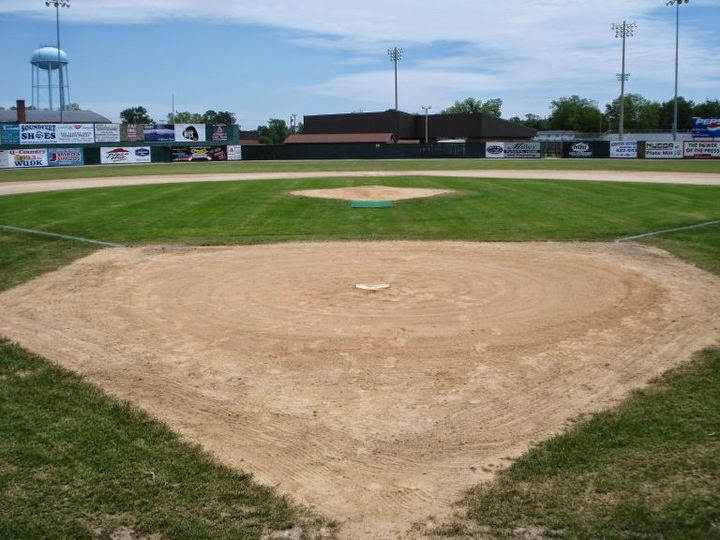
{"points": [[378, 408]]}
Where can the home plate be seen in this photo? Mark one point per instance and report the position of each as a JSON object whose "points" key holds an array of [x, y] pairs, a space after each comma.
{"points": [[372, 286]]}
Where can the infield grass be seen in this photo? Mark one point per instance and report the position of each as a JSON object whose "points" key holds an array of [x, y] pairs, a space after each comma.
{"points": [[74, 463]]}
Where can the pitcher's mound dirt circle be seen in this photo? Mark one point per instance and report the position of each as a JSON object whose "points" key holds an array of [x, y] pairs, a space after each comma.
{"points": [[376, 408]]}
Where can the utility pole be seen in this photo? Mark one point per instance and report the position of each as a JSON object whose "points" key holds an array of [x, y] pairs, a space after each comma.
{"points": [[623, 31], [57, 4], [426, 108], [676, 3], [395, 55]]}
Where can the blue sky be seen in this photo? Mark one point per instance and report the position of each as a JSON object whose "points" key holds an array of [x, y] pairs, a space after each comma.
{"points": [[276, 58]]}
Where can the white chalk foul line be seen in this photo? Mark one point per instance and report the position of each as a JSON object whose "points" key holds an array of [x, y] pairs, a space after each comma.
{"points": [[64, 236], [655, 233]]}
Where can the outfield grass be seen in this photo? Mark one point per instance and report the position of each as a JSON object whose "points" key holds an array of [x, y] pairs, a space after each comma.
{"points": [[73, 461], [96, 171]]}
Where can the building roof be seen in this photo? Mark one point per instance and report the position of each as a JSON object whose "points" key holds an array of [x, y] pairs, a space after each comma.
{"points": [[405, 126], [385, 138], [9, 116]]}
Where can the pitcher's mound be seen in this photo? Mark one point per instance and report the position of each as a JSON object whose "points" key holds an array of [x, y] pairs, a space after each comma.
{"points": [[371, 193]]}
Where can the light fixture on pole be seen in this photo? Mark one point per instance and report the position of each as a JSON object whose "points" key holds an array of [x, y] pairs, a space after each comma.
{"points": [[623, 31], [57, 4], [426, 108], [676, 3], [395, 55]]}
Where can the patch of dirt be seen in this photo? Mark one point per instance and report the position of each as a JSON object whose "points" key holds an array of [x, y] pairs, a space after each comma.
{"points": [[371, 193], [380, 407]]}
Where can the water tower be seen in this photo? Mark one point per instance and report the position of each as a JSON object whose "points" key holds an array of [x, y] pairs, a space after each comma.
{"points": [[50, 81]]}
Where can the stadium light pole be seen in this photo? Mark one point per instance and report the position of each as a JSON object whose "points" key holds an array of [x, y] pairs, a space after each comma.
{"points": [[395, 55], [57, 4], [623, 31], [426, 108], [676, 3]]}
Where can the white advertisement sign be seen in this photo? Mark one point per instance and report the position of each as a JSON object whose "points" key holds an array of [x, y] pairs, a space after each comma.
{"points": [[522, 150], [190, 132], [663, 150], [234, 152], [701, 149], [4, 159], [623, 149], [107, 133], [495, 150], [122, 154], [20, 159], [57, 133]]}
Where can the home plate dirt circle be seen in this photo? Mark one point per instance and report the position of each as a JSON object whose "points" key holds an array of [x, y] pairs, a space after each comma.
{"points": [[378, 408]]}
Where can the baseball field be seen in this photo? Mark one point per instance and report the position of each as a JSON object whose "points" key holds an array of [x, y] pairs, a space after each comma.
{"points": [[235, 350]]}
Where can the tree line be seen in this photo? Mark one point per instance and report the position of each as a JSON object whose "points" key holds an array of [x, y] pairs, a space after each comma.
{"points": [[581, 114], [139, 115]]}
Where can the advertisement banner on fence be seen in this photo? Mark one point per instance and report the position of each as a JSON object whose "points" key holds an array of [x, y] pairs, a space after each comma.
{"points": [[65, 156], [219, 133], [198, 153], [663, 150], [20, 159], [4, 159], [706, 128], [159, 133], [494, 150], [10, 134], [132, 132], [623, 149], [57, 133], [190, 132], [701, 149], [107, 132], [580, 150], [522, 150], [120, 154], [234, 152]]}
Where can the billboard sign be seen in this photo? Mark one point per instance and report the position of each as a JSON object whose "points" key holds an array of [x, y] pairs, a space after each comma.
{"points": [[705, 128], [10, 134], [234, 152], [159, 133], [22, 159], [132, 132], [663, 150], [107, 133], [121, 154], [701, 149], [190, 133], [522, 150], [494, 150], [65, 156], [219, 133], [580, 150], [198, 153], [623, 149], [57, 133]]}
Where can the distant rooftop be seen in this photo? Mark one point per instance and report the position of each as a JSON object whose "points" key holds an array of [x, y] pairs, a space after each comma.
{"points": [[8, 116]]}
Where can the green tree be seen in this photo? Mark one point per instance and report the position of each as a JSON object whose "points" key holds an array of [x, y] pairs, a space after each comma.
{"points": [[685, 114], [275, 132], [707, 109], [185, 117], [219, 117], [531, 121], [471, 105], [575, 113], [640, 113], [136, 115]]}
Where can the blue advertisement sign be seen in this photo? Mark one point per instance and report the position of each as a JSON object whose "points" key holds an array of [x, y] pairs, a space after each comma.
{"points": [[159, 132], [65, 156], [10, 134], [706, 128]]}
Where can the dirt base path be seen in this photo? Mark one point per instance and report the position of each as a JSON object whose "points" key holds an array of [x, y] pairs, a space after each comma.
{"points": [[377, 408], [10, 188]]}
